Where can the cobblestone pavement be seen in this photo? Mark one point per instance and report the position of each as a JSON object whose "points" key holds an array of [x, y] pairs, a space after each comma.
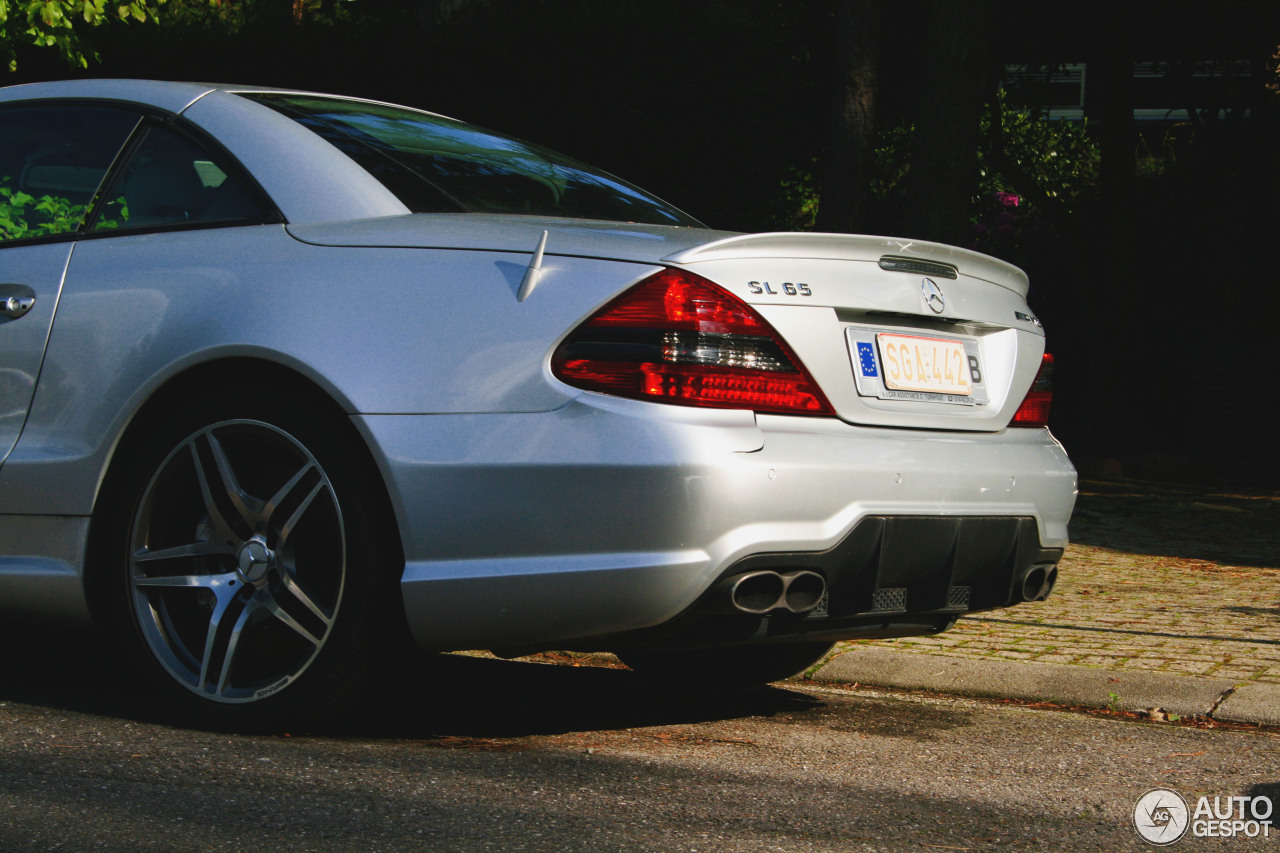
{"points": [[1156, 578]]}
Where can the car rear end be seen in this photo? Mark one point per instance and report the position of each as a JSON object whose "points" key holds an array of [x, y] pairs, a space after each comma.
{"points": [[905, 474], [676, 436], [773, 438]]}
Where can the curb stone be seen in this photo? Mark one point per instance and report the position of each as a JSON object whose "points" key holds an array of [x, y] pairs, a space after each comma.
{"points": [[1251, 703], [1128, 690]]}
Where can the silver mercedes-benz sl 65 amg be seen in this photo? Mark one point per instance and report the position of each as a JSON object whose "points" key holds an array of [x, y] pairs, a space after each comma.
{"points": [[287, 377]]}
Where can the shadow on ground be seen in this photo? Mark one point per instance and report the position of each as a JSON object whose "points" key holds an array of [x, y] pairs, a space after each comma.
{"points": [[1232, 529], [483, 697], [445, 696]]}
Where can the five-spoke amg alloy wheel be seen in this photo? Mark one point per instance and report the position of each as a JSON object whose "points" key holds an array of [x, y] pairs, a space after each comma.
{"points": [[248, 566], [237, 567]]}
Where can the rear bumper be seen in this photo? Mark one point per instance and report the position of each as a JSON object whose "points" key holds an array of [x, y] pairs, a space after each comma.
{"points": [[891, 576], [609, 517]]}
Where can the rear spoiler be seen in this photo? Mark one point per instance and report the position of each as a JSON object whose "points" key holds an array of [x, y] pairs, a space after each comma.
{"points": [[856, 247]]}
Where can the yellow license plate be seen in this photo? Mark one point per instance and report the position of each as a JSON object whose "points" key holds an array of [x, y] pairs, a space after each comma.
{"points": [[932, 365]]}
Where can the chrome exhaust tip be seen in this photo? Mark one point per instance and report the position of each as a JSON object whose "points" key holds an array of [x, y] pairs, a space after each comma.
{"points": [[763, 592], [756, 592], [1037, 582], [803, 591]]}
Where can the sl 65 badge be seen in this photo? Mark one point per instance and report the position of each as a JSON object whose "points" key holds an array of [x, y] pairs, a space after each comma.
{"points": [[788, 289]]}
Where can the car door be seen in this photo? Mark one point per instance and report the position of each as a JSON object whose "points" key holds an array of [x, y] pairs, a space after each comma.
{"points": [[53, 158]]}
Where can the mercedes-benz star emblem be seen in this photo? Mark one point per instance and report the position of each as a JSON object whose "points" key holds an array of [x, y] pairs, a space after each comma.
{"points": [[933, 296], [254, 560]]}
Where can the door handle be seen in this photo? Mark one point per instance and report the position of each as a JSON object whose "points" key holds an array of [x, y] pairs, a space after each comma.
{"points": [[16, 306]]}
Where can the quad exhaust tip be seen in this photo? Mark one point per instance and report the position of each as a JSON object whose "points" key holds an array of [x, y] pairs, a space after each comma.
{"points": [[1038, 582], [763, 592], [801, 591]]}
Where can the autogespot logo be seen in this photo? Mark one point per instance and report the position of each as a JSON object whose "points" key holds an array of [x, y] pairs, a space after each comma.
{"points": [[1161, 816]]}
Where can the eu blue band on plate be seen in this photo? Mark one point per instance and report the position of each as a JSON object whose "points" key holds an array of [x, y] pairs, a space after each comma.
{"points": [[867, 359]]}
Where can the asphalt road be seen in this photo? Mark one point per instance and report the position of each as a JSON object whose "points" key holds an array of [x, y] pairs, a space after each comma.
{"points": [[487, 755]]}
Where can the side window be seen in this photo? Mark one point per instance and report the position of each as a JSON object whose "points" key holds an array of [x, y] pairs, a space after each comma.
{"points": [[170, 180], [52, 161]]}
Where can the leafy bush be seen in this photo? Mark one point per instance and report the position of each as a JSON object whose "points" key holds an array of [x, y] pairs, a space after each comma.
{"points": [[61, 25], [23, 215], [1052, 165], [797, 200], [1033, 175]]}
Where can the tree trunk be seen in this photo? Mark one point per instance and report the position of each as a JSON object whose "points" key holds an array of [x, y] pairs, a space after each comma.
{"points": [[944, 149], [845, 204]]}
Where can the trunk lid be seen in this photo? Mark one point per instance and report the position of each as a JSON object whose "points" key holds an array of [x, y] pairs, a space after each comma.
{"points": [[868, 315], [841, 302], [621, 241]]}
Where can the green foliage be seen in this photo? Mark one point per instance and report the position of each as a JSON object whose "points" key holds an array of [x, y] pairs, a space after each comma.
{"points": [[121, 209], [1051, 164], [800, 191], [23, 215], [13, 208], [230, 16], [1033, 176], [893, 161], [60, 24], [1152, 164], [797, 207]]}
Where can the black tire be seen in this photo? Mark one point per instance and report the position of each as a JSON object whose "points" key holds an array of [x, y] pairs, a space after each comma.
{"points": [[726, 666], [241, 564]]}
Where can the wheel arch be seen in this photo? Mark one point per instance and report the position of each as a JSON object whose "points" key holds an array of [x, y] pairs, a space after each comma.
{"points": [[197, 380]]}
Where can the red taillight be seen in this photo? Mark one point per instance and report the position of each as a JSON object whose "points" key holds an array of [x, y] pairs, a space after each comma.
{"points": [[680, 301], [677, 338], [1034, 411]]}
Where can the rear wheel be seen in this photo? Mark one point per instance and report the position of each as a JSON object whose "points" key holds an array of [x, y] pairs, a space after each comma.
{"points": [[726, 666], [243, 557]]}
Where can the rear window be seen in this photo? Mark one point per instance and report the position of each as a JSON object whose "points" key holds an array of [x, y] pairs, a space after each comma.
{"points": [[434, 164]]}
